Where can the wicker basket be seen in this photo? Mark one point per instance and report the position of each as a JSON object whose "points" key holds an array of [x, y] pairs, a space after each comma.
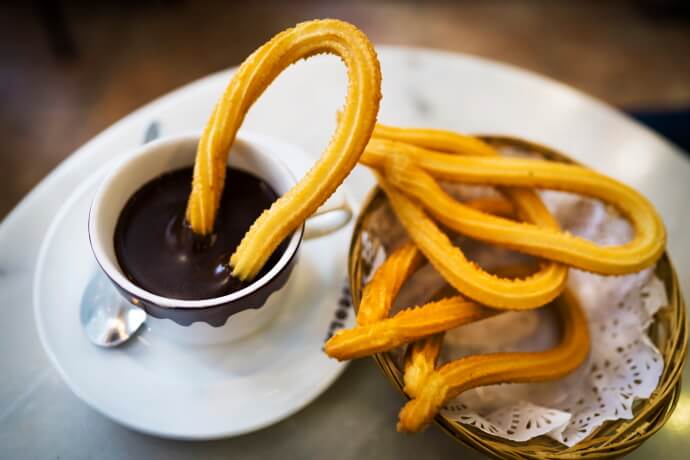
{"points": [[669, 332]]}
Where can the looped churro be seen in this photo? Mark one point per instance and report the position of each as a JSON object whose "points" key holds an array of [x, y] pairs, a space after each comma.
{"points": [[466, 276], [422, 355], [460, 375], [351, 136], [539, 288], [645, 248]]}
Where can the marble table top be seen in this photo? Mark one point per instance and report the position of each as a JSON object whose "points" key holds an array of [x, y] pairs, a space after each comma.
{"points": [[41, 418]]}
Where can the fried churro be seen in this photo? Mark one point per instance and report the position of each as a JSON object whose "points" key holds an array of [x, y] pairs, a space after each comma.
{"points": [[420, 362], [351, 136], [645, 248], [404, 327], [379, 294], [466, 276], [460, 375]]}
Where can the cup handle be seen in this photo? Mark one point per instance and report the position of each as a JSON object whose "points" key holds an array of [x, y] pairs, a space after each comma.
{"points": [[333, 215]]}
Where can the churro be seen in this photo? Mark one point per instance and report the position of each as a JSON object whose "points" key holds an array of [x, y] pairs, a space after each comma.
{"points": [[467, 277], [351, 136], [379, 294], [404, 327], [420, 363], [460, 375], [645, 248]]}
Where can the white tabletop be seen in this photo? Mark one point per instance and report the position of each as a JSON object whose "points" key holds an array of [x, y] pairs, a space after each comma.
{"points": [[40, 418]]}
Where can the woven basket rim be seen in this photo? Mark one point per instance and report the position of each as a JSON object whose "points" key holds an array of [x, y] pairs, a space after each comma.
{"points": [[613, 438]]}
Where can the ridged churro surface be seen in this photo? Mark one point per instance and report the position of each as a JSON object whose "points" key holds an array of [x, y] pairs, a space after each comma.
{"points": [[256, 73]]}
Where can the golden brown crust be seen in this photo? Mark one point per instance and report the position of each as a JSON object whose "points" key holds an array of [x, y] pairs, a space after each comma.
{"points": [[645, 248], [421, 356], [380, 293], [466, 276], [404, 327], [341, 155], [493, 205], [420, 362], [460, 375]]}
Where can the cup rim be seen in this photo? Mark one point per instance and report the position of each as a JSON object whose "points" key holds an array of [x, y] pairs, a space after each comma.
{"points": [[111, 267]]}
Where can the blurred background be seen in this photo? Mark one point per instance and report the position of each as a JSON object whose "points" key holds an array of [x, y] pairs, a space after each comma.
{"points": [[69, 69]]}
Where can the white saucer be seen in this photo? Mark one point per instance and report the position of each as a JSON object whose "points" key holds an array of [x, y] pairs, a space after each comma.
{"points": [[165, 389]]}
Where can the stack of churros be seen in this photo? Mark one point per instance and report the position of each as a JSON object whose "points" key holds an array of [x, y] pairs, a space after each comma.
{"points": [[408, 164]]}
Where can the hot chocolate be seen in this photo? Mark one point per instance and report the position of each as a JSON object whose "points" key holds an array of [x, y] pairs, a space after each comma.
{"points": [[158, 251]]}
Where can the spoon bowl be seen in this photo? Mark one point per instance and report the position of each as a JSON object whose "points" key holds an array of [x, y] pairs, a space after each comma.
{"points": [[106, 317]]}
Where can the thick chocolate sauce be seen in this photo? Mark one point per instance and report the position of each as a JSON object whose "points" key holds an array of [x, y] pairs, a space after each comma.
{"points": [[158, 251]]}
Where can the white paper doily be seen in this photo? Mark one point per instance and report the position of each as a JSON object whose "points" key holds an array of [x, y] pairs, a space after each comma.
{"points": [[623, 364]]}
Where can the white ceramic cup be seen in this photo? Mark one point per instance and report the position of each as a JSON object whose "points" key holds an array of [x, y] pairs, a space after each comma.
{"points": [[220, 319]]}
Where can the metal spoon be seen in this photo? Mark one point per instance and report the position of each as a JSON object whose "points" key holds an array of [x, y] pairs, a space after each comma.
{"points": [[106, 317]]}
